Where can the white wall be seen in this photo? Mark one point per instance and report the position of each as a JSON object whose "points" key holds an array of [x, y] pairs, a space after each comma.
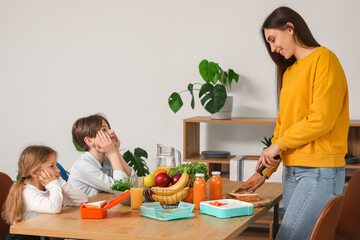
{"points": [[61, 60]]}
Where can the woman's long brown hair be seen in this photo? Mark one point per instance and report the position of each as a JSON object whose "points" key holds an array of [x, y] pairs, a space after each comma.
{"points": [[278, 19], [30, 161]]}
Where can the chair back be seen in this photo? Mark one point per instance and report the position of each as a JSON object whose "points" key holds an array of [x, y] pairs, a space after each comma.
{"points": [[349, 221], [5, 185], [325, 225]]}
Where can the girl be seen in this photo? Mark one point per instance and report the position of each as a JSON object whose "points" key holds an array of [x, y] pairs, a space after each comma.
{"points": [[312, 124], [40, 189]]}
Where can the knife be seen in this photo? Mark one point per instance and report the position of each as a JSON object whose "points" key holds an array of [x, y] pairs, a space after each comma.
{"points": [[249, 183]]}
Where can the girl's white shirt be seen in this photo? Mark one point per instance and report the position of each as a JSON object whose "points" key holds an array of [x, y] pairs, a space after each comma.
{"points": [[57, 193]]}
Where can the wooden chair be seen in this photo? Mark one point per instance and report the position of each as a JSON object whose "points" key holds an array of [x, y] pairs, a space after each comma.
{"points": [[348, 226], [326, 223], [5, 185]]}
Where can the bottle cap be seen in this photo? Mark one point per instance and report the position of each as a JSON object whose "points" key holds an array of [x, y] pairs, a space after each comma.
{"points": [[215, 172], [199, 175]]}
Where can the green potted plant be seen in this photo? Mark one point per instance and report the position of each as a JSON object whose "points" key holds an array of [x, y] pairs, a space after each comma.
{"points": [[267, 141], [212, 93], [121, 186]]}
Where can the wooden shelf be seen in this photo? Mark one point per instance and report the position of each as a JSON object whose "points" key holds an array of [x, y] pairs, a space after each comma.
{"points": [[243, 120], [352, 166], [201, 158], [192, 139], [235, 120]]}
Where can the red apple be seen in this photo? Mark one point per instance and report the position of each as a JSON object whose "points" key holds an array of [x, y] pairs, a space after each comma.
{"points": [[162, 179], [175, 177]]}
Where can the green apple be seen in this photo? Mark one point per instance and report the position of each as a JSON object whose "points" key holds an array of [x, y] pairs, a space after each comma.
{"points": [[149, 181]]}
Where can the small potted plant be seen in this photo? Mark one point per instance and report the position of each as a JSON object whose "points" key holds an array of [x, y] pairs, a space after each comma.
{"points": [[212, 93], [120, 186]]}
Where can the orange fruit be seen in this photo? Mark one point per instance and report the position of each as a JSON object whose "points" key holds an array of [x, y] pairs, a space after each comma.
{"points": [[159, 170]]}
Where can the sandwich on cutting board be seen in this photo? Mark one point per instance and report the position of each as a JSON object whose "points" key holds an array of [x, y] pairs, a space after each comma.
{"points": [[98, 204], [246, 197]]}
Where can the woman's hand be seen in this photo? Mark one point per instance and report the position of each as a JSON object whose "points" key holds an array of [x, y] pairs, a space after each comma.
{"points": [[254, 182], [46, 176], [267, 156], [104, 143]]}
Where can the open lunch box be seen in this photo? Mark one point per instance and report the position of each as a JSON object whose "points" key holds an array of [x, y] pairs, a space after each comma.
{"points": [[233, 208], [98, 213]]}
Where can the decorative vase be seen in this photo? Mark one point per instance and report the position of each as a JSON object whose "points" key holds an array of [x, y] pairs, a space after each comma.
{"points": [[225, 111]]}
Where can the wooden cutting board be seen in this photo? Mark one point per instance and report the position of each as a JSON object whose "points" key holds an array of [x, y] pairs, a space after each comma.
{"points": [[261, 202]]}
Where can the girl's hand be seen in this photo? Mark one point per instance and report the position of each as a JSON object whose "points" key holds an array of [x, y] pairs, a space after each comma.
{"points": [[267, 156], [104, 143], [46, 176]]}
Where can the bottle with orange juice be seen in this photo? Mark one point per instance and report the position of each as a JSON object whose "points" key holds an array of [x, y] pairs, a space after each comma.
{"points": [[199, 192], [215, 186]]}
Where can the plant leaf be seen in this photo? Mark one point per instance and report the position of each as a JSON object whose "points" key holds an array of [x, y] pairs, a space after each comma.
{"points": [[190, 88], [77, 147], [214, 72], [208, 71], [139, 152], [136, 161], [175, 102], [212, 97]]}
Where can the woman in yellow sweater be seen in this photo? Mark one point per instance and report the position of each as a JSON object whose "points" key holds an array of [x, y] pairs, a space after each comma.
{"points": [[312, 125]]}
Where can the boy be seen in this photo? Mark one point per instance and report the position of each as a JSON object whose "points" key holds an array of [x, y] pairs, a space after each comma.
{"points": [[95, 172]]}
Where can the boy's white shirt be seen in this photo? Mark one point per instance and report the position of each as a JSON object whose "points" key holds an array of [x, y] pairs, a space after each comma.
{"points": [[57, 193], [88, 175]]}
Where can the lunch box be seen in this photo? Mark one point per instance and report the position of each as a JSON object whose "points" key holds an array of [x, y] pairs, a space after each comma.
{"points": [[233, 208], [98, 213]]}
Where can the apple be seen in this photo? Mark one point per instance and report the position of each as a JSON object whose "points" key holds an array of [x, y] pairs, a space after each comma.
{"points": [[175, 178], [162, 179]]}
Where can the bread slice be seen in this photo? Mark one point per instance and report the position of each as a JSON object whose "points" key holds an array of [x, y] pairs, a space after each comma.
{"points": [[246, 197], [98, 204]]}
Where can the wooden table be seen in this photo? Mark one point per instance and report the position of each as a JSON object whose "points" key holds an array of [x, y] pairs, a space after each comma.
{"points": [[123, 223]]}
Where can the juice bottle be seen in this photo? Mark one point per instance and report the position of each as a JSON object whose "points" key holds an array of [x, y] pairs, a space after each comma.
{"points": [[199, 193], [215, 186]]}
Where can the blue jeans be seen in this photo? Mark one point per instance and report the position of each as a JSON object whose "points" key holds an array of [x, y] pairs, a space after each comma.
{"points": [[306, 191]]}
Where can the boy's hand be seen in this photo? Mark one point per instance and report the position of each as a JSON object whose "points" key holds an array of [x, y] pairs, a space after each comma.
{"points": [[46, 176], [116, 141], [104, 143]]}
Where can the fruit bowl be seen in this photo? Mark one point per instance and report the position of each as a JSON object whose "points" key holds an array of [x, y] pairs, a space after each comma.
{"points": [[169, 197]]}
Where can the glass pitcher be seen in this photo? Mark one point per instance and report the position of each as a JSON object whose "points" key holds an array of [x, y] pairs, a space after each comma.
{"points": [[166, 157]]}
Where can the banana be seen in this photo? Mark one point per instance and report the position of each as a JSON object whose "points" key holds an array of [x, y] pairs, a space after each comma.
{"points": [[178, 186], [172, 199]]}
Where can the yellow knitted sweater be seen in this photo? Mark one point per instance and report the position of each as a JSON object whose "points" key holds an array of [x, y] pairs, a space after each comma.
{"points": [[313, 121]]}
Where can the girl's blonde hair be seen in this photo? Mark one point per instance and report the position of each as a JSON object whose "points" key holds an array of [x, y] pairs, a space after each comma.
{"points": [[30, 161]]}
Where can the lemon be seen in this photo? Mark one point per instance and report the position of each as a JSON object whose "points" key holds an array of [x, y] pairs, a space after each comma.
{"points": [[148, 181]]}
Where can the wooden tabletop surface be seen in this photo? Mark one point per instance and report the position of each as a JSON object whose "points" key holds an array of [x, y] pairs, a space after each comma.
{"points": [[123, 223]]}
